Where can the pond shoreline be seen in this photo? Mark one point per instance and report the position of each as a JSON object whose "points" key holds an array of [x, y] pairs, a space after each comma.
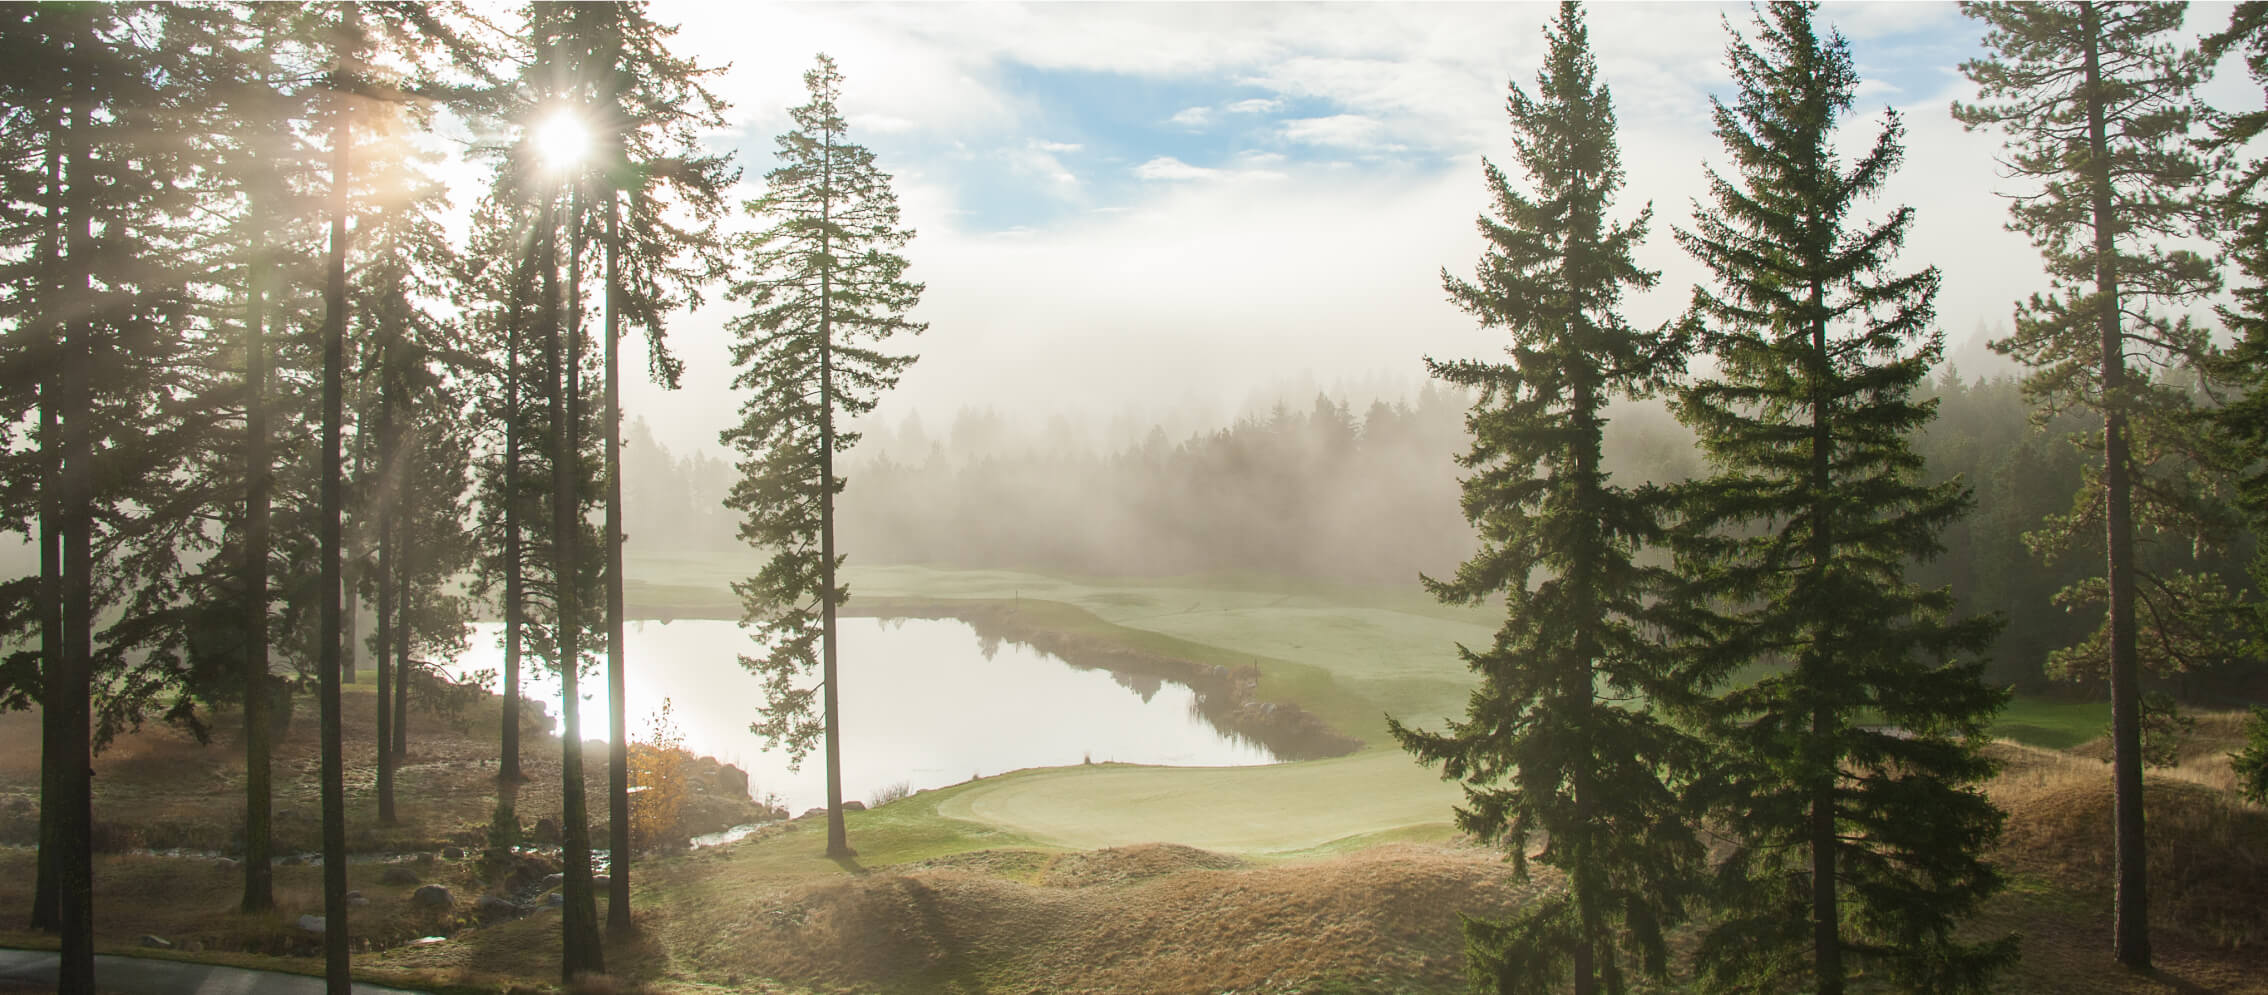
{"points": [[1228, 697]]}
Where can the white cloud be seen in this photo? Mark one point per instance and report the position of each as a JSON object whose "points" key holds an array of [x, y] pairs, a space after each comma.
{"points": [[1059, 147], [1192, 117], [1255, 105], [1037, 161], [1341, 131], [1166, 167]]}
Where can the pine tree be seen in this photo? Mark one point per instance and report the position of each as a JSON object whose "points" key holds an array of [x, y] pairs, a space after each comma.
{"points": [[827, 290], [2097, 106], [648, 110], [94, 309], [1852, 842], [2243, 421], [1550, 742]]}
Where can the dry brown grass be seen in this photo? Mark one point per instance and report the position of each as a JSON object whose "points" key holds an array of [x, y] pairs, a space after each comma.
{"points": [[2208, 870], [1136, 919]]}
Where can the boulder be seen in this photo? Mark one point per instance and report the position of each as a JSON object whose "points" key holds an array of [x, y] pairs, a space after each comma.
{"points": [[854, 805], [555, 899], [292, 861], [490, 907], [547, 831], [453, 853], [311, 923], [433, 896], [156, 942], [808, 813], [732, 781], [356, 898], [227, 866], [397, 875], [554, 880]]}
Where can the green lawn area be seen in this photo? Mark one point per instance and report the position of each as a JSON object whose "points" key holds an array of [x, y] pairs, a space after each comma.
{"points": [[2056, 725]]}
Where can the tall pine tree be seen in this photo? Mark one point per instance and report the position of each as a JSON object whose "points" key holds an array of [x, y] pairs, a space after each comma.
{"points": [[2098, 104], [1550, 742], [1850, 770], [827, 289]]}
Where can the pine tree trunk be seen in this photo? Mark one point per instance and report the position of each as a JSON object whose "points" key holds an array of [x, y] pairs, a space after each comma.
{"points": [[388, 466], [72, 696], [259, 877], [46, 914], [838, 840], [580, 952], [508, 758], [618, 747], [2131, 934], [406, 535], [1826, 758], [1579, 690], [336, 979]]}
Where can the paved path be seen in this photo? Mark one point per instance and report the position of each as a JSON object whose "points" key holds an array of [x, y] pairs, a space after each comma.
{"points": [[145, 976]]}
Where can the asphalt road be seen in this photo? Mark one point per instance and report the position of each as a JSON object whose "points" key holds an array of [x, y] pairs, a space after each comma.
{"points": [[167, 977]]}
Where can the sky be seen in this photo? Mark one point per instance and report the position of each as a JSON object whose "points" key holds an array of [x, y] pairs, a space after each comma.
{"points": [[1126, 210]]}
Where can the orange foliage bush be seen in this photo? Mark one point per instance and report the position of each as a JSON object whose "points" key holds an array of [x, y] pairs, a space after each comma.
{"points": [[658, 787]]}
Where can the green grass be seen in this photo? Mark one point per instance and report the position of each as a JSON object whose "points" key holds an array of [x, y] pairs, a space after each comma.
{"points": [[2054, 725]]}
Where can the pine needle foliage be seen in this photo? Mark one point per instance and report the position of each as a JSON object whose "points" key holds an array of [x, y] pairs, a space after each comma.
{"points": [[2242, 422], [827, 289], [1556, 739], [1849, 772]]}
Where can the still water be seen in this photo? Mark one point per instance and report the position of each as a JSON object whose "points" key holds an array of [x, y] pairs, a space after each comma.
{"points": [[925, 701]]}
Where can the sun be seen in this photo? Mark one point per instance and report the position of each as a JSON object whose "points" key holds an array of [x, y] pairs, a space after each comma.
{"points": [[561, 139]]}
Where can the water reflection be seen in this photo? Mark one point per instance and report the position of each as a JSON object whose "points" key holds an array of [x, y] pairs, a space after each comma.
{"points": [[925, 701]]}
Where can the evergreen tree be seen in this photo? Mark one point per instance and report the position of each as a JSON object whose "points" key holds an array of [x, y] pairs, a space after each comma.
{"points": [[2243, 420], [2097, 106], [95, 310], [1549, 742], [648, 109], [1851, 840], [827, 289]]}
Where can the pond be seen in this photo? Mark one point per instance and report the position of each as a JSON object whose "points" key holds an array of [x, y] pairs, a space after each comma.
{"points": [[925, 701]]}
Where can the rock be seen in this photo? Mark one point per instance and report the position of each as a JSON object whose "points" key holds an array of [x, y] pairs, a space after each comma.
{"points": [[397, 875], [854, 805], [547, 831], [434, 896], [292, 861], [555, 899], [227, 866], [812, 812], [555, 880], [732, 781], [311, 923], [156, 942], [453, 853], [490, 907], [355, 898]]}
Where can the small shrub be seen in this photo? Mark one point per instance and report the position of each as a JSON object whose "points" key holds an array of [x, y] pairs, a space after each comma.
{"points": [[889, 793], [2251, 763], [658, 782], [503, 827]]}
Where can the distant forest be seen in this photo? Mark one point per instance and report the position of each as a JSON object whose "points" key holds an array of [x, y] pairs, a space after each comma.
{"points": [[1328, 492]]}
